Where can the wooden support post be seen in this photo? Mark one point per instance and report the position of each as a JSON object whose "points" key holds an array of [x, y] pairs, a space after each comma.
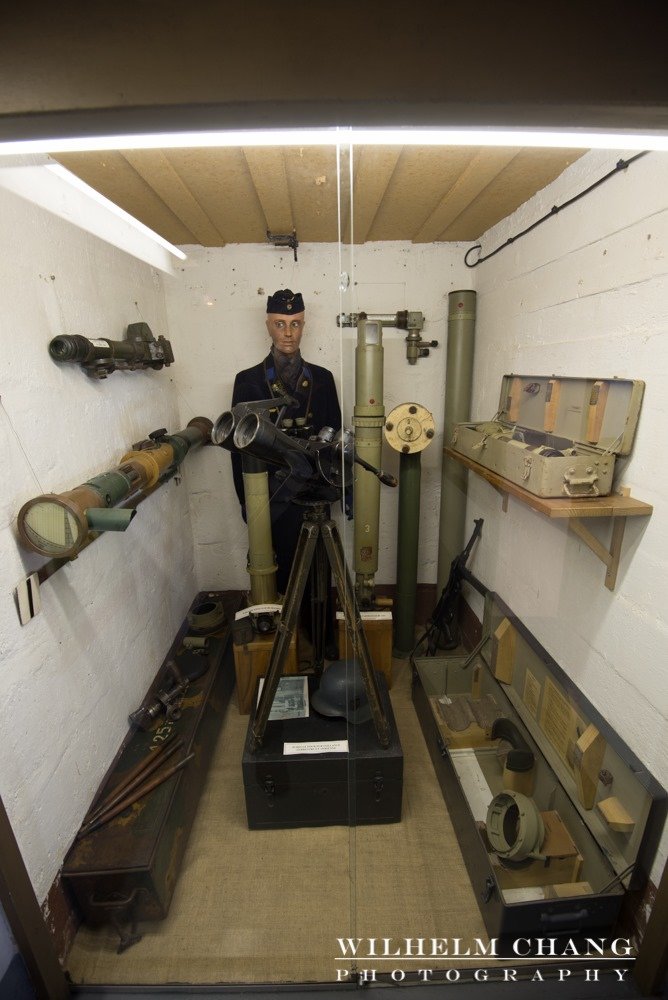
{"points": [[610, 557]]}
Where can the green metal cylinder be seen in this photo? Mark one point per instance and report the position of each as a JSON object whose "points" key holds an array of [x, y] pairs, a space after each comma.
{"points": [[113, 519], [407, 553], [458, 383], [197, 433], [112, 486], [261, 561], [368, 420]]}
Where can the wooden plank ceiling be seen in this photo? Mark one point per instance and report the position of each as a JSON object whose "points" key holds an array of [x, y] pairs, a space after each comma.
{"points": [[213, 197]]}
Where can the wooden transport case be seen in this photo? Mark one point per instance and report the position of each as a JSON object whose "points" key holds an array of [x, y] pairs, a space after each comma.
{"points": [[603, 812], [126, 870], [556, 436], [251, 660], [362, 786]]}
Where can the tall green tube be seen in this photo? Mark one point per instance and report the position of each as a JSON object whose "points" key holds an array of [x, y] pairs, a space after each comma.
{"points": [[407, 552], [458, 382], [261, 561], [368, 420]]}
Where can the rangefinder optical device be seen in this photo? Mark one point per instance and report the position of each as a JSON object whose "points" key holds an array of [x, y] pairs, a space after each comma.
{"points": [[101, 357], [58, 524]]}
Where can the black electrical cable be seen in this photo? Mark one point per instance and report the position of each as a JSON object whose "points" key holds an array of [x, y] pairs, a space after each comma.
{"points": [[618, 878], [620, 165]]}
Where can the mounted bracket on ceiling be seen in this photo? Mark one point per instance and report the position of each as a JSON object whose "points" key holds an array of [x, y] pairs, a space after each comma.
{"points": [[287, 240]]}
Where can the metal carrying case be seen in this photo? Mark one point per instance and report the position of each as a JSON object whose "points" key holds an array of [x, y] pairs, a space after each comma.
{"points": [[361, 785], [601, 811], [556, 436], [126, 870]]}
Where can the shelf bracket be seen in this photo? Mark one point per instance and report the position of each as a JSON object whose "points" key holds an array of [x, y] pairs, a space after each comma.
{"points": [[609, 557], [504, 497]]}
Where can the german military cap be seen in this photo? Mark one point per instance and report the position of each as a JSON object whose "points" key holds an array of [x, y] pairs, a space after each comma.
{"points": [[285, 302]]}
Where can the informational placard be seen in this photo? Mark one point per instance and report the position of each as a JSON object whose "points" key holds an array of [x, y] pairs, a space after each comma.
{"points": [[531, 695], [318, 746], [557, 719]]}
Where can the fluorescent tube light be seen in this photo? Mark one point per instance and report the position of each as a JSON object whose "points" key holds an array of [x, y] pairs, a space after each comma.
{"points": [[76, 182], [49, 185], [571, 139]]}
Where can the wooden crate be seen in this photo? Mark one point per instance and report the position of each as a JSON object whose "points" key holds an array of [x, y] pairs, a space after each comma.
{"points": [[378, 631], [251, 660]]}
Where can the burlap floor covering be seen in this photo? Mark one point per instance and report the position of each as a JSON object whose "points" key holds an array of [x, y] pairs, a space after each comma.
{"points": [[269, 906]]}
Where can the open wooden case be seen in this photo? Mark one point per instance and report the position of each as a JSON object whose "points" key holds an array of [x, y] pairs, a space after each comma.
{"points": [[556, 436], [601, 811]]}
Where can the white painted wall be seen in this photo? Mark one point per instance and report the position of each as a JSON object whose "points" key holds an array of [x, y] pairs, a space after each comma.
{"points": [[69, 678], [583, 294], [586, 294], [217, 324]]}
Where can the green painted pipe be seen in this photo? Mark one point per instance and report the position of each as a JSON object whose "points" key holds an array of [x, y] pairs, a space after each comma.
{"points": [[261, 561], [368, 420], [109, 519], [458, 382], [407, 553], [112, 486]]}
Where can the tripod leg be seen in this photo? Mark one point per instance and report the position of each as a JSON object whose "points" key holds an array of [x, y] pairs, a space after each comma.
{"points": [[318, 580], [353, 621], [306, 543]]}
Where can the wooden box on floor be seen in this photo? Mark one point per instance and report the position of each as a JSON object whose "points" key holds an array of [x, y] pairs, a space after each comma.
{"points": [[378, 631], [361, 784], [251, 660], [127, 869], [602, 811]]}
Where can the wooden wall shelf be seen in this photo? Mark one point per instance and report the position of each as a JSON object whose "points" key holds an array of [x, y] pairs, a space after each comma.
{"points": [[575, 511]]}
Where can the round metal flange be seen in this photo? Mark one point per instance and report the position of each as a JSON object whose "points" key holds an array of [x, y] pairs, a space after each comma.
{"points": [[409, 428], [206, 617], [515, 827]]}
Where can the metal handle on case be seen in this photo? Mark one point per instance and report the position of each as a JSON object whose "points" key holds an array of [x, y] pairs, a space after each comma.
{"points": [[566, 921], [589, 480]]}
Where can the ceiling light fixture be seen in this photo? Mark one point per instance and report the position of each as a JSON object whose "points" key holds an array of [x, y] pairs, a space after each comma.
{"points": [[569, 139], [76, 182], [49, 185]]}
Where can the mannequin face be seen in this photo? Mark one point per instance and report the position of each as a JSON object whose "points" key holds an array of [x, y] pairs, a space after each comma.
{"points": [[285, 331]]}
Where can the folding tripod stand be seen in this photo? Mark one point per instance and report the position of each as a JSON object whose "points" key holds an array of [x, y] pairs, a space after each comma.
{"points": [[319, 542]]}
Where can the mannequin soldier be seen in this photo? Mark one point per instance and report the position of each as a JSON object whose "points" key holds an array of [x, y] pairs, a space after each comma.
{"points": [[284, 371]]}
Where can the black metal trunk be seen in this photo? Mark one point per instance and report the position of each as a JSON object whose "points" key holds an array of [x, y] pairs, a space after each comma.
{"points": [[127, 869], [361, 786]]}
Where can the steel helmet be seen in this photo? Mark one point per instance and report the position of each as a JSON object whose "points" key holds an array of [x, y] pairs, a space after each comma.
{"points": [[342, 692]]}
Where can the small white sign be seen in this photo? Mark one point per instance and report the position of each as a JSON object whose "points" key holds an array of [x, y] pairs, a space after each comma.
{"points": [[28, 599], [369, 616], [324, 746], [258, 609]]}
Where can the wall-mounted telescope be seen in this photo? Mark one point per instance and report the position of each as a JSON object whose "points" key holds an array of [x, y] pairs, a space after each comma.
{"points": [[59, 524], [412, 322], [101, 357]]}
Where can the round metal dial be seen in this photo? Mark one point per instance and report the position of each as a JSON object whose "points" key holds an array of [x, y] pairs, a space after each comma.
{"points": [[51, 528], [409, 428]]}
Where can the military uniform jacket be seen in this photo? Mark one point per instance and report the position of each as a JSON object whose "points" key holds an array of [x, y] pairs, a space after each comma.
{"points": [[316, 391]]}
